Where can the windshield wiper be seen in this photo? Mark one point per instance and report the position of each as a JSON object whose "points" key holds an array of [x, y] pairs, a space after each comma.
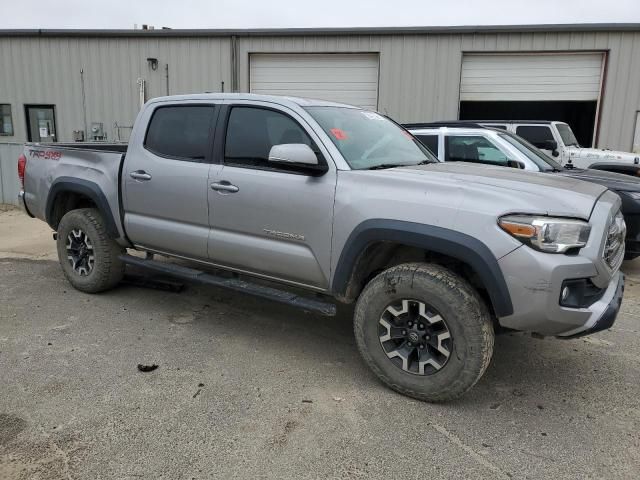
{"points": [[382, 166]]}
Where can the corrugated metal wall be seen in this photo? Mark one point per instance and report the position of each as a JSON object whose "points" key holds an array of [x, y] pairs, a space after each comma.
{"points": [[47, 71], [419, 73], [9, 183]]}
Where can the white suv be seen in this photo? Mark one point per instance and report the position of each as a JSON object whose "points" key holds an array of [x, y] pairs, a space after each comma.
{"points": [[557, 139]]}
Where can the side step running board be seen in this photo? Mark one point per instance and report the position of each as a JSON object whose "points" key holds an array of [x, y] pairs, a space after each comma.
{"points": [[198, 276]]}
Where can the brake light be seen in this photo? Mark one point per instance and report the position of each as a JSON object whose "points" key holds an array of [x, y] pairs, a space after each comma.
{"points": [[22, 165]]}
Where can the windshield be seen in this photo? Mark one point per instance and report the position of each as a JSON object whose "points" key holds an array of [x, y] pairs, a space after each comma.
{"points": [[544, 162], [368, 140], [568, 138]]}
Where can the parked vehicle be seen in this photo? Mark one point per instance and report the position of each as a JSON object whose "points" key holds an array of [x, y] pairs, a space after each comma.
{"points": [[345, 204], [467, 142], [557, 140]]}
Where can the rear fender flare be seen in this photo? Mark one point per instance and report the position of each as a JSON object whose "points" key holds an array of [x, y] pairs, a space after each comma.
{"points": [[89, 190]]}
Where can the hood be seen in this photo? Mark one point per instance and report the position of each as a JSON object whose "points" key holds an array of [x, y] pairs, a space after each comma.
{"points": [[603, 155], [515, 190], [613, 181]]}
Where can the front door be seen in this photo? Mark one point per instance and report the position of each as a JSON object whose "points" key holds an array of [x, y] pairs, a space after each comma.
{"points": [[271, 220], [166, 181], [41, 123]]}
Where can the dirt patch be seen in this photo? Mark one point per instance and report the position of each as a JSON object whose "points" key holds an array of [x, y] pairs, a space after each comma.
{"points": [[10, 428]]}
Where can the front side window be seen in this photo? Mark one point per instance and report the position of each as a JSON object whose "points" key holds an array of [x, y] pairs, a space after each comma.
{"points": [[429, 141], [473, 148], [368, 140], [251, 132], [539, 135], [568, 138], [6, 122], [180, 132]]}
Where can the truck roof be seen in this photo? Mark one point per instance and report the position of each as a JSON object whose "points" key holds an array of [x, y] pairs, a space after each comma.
{"points": [[279, 99]]}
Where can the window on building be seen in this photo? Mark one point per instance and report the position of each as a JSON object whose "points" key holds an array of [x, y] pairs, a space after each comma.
{"points": [[473, 149], [6, 122], [538, 135], [180, 132], [429, 141], [251, 132]]}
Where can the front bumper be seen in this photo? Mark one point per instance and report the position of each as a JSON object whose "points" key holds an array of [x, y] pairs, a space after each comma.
{"points": [[23, 204], [604, 311]]}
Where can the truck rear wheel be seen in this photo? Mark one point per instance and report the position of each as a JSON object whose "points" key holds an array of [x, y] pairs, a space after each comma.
{"points": [[89, 258], [424, 331]]}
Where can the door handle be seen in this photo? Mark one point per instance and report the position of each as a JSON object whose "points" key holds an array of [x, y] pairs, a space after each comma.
{"points": [[140, 175], [224, 186]]}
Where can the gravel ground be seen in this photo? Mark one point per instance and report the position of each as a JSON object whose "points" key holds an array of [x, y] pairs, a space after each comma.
{"points": [[250, 389]]}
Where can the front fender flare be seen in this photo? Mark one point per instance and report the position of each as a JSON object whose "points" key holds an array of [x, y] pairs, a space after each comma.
{"points": [[448, 242]]}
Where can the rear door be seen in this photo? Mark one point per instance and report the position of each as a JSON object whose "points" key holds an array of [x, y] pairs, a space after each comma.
{"points": [[166, 179], [271, 219]]}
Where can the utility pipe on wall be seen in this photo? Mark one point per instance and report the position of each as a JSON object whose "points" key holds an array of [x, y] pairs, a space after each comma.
{"points": [[84, 103], [142, 91]]}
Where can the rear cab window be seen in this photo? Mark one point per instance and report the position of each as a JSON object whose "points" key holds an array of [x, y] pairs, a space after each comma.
{"points": [[181, 132]]}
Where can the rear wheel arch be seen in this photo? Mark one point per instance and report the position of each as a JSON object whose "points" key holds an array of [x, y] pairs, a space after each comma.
{"points": [[377, 244], [68, 193]]}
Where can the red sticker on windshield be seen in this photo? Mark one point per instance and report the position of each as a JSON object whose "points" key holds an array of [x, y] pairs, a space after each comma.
{"points": [[338, 133]]}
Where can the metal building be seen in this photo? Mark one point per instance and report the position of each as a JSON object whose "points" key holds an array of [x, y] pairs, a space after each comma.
{"points": [[65, 85]]}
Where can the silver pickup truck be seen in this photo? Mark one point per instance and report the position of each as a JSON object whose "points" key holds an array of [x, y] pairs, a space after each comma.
{"points": [[275, 196]]}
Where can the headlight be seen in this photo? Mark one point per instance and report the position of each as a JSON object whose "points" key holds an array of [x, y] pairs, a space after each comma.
{"points": [[634, 195], [547, 234]]}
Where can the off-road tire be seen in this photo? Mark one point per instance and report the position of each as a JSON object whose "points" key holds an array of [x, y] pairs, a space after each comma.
{"points": [[466, 316], [107, 268]]}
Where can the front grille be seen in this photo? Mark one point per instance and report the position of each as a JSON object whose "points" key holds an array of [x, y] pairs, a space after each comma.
{"points": [[613, 252]]}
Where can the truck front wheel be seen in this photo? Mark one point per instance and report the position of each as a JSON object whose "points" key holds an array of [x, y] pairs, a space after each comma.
{"points": [[88, 256], [424, 331]]}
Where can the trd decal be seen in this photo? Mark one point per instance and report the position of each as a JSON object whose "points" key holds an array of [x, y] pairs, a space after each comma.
{"points": [[45, 154]]}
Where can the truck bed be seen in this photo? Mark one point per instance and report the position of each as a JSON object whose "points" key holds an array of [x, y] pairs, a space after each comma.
{"points": [[89, 170]]}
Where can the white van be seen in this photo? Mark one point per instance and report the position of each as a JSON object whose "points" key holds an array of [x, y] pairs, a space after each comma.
{"points": [[557, 139]]}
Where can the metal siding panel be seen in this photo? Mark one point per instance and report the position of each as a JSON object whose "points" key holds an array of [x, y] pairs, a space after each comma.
{"points": [[47, 70]]}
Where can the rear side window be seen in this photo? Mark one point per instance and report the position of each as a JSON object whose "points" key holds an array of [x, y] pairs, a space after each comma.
{"points": [[180, 132], [429, 141], [251, 132], [538, 135]]}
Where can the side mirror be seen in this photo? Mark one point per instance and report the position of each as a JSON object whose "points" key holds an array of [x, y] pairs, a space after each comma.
{"points": [[298, 153], [299, 156], [515, 164]]}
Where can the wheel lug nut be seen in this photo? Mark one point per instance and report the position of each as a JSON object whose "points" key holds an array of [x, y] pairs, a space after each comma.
{"points": [[410, 344], [421, 326], [427, 337], [404, 332], [421, 346]]}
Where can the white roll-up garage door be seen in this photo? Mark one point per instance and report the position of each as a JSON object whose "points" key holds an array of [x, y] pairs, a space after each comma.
{"points": [[344, 78], [531, 77]]}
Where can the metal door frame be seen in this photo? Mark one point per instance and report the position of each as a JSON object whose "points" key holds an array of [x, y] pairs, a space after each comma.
{"points": [[40, 105]]}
